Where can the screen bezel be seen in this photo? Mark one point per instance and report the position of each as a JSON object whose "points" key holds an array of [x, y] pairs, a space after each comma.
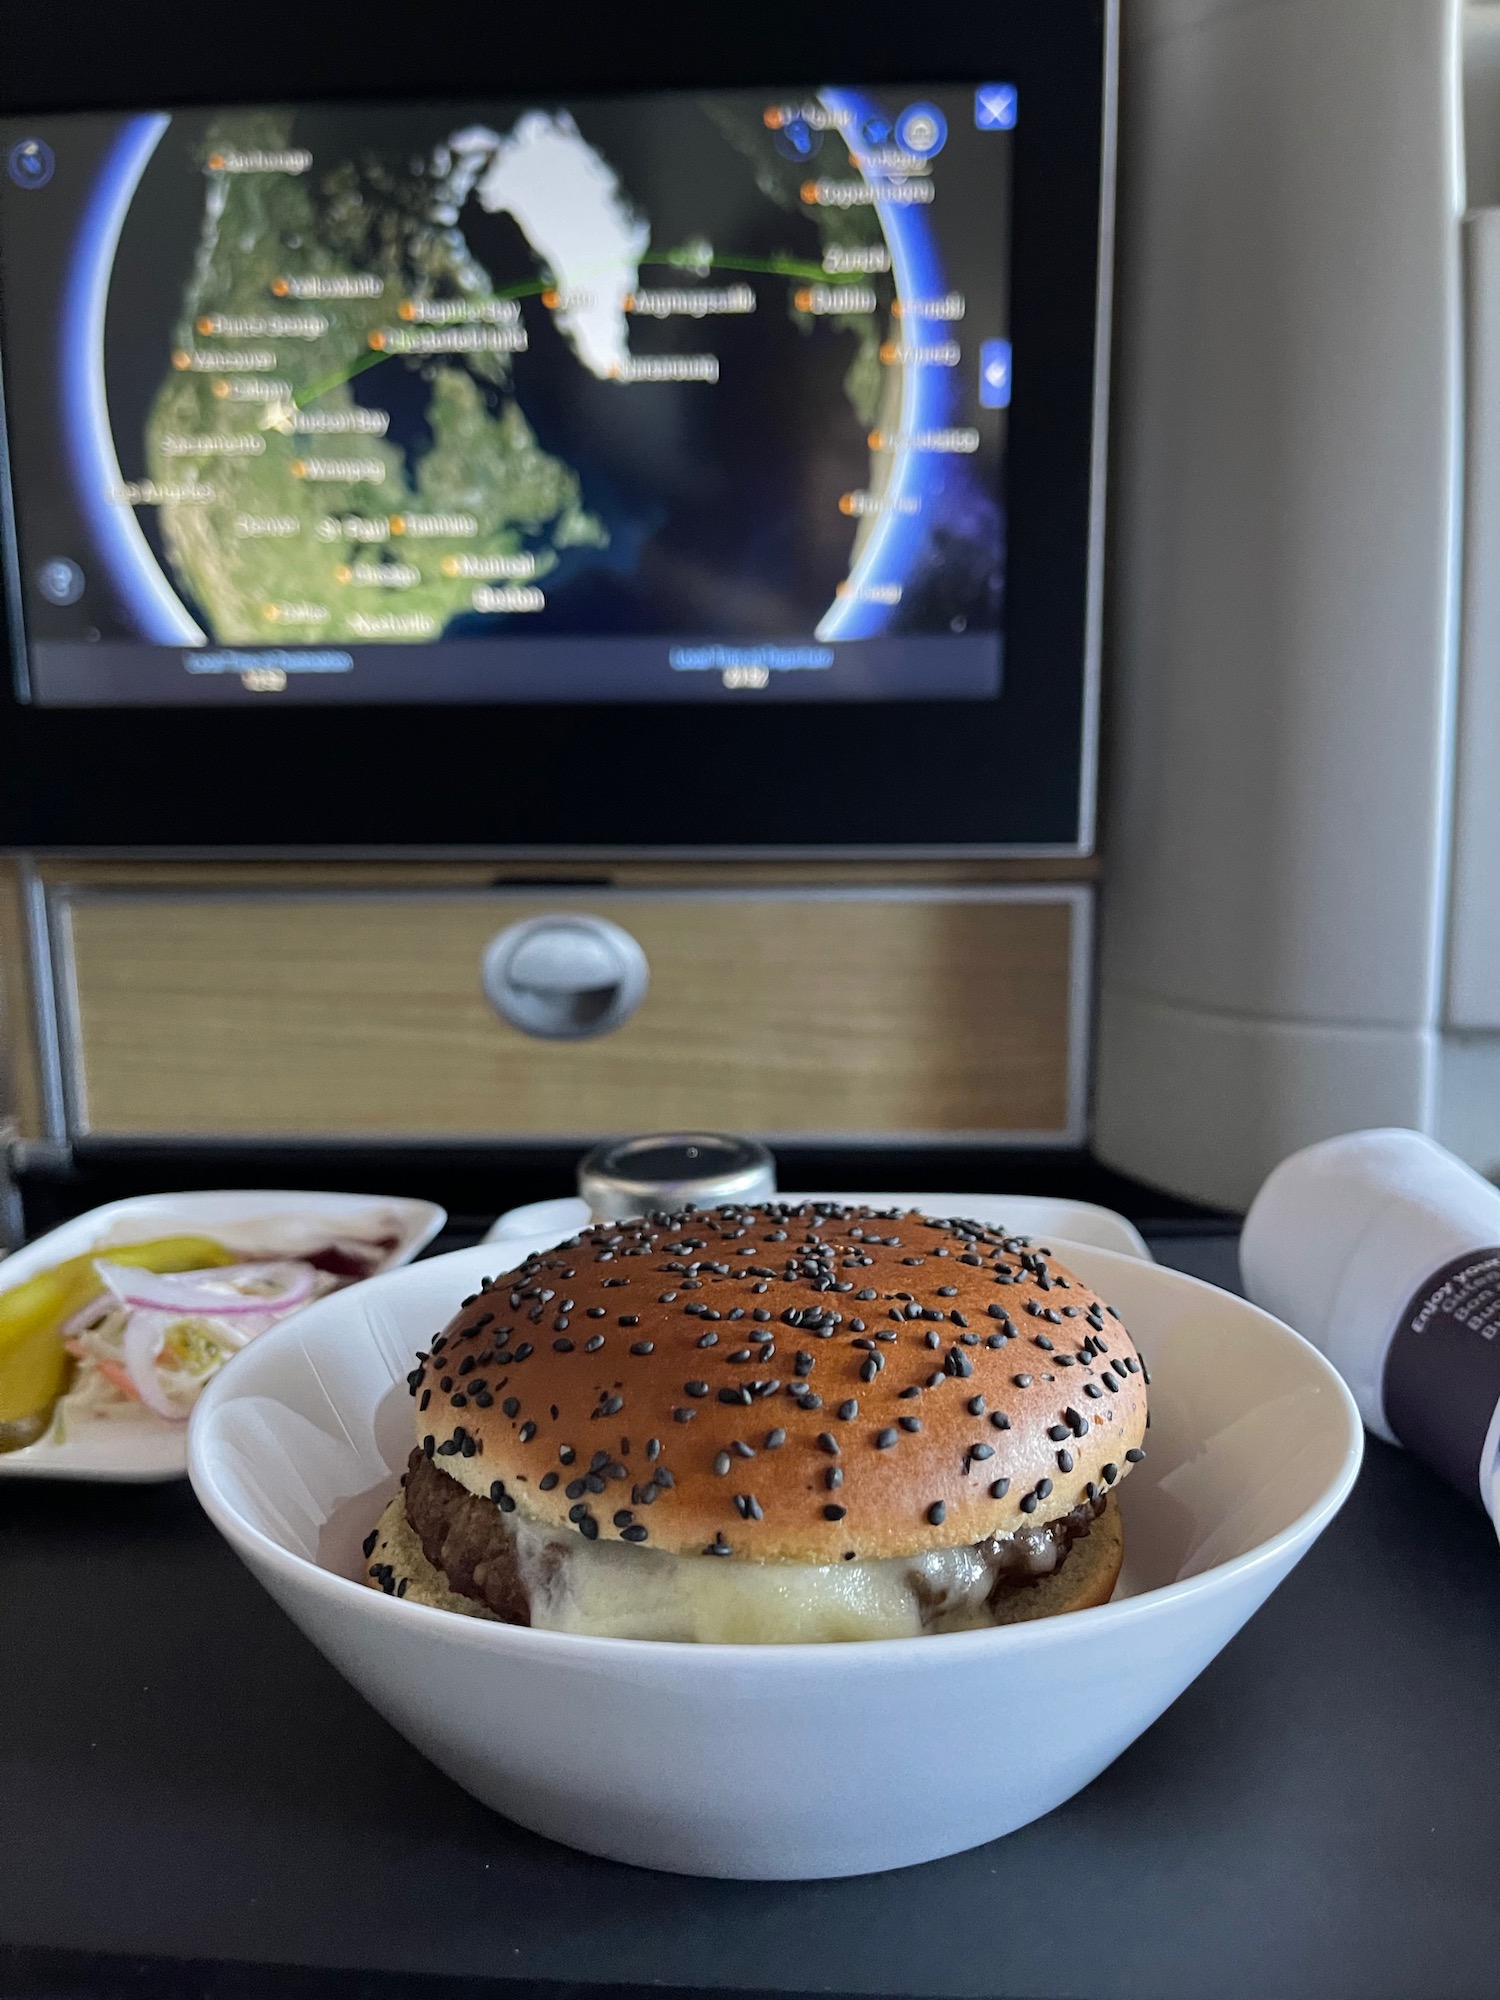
{"points": [[1013, 775]]}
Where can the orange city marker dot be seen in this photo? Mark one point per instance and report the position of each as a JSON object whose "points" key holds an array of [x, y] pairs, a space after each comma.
{"points": [[299, 468], [182, 359], [279, 287], [846, 503], [398, 524], [802, 300], [887, 351], [809, 191], [406, 310], [377, 339], [771, 116], [216, 161], [876, 440], [550, 300]]}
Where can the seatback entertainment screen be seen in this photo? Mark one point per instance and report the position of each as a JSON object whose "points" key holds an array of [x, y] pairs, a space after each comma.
{"points": [[689, 397]]}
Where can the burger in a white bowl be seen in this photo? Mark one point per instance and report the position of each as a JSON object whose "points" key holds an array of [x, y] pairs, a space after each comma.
{"points": [[641, 1666], [767, 1425]]}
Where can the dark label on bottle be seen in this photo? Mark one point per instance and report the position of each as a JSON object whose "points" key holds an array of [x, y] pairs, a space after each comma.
{"points": [[1442, 1370]]}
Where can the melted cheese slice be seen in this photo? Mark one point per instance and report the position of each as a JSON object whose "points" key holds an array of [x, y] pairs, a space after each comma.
{"points": [[616, 1591]]}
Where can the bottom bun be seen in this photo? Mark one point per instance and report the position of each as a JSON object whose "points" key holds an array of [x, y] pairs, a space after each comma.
{"points": [[1087, 1577], [395, 1563]]}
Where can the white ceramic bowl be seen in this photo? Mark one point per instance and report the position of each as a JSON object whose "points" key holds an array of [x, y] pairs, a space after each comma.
{"points": [[781, 1761]]}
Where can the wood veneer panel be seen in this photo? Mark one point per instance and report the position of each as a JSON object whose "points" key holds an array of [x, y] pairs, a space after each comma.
{"points": [[270, 1013]]}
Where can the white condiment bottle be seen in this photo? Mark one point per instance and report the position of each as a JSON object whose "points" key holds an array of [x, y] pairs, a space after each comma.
{"points": [[1383, 1250]]}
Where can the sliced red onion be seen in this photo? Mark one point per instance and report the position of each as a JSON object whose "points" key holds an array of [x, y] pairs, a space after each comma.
{"points": [[89, 1316], [144, 1334], [210, 1294]]}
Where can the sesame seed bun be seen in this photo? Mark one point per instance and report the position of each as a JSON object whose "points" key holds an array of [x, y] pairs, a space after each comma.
{"points": [[809, 1385]]}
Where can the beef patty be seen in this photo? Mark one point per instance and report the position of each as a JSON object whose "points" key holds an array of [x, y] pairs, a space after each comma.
{"points": [[468, 1540]]}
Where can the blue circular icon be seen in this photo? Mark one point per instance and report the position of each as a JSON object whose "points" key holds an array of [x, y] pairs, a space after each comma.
{"points": [[60, 581], [30, 163], [797, 139], [921, 130], [876, 129]]}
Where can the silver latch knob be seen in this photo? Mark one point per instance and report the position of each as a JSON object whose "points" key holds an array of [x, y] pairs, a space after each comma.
{"points": [[564, 977]]}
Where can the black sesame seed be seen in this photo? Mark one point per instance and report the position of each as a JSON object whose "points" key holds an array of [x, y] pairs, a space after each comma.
{"points": [[829, 1443], [884, 1439], [511, 1406], [910, 1423], [588, 1527], [1111, 1474], [635, 1533], [1000, 1420], [1000, 1488], [1043, 1488], [1092, 1389], [937, 1513], [848, 1411], [1021, 1381], [696, 1388], [1065, 1461], [981, 1451], [719, 1547], [1134, 1455], [1028, 1503], [368, 1544], [833, 1512], [643, 1347], [527, 1432], [721, 1463], [683, 1416]]}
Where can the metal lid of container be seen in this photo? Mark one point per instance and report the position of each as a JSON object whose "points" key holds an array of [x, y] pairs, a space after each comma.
{"points": [[628, 1177]]}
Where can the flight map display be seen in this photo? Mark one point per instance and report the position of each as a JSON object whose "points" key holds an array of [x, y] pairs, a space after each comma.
{"points": [[683, 397]]}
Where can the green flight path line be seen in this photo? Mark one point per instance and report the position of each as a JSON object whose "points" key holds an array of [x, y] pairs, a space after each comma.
{"points": [[677, 260]]}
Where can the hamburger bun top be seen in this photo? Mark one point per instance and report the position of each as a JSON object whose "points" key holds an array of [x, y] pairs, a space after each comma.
{"points": [[811, 1384]]}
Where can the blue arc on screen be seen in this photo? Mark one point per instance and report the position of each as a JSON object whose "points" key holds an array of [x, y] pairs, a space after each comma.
{"points": [[155, 606], [925, 404]]}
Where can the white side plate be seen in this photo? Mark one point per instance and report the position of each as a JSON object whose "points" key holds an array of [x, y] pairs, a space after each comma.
{"points": [[144, 1447]]}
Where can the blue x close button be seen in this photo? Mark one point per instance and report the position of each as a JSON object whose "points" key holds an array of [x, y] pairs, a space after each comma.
{"points": [[995, 107]]}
